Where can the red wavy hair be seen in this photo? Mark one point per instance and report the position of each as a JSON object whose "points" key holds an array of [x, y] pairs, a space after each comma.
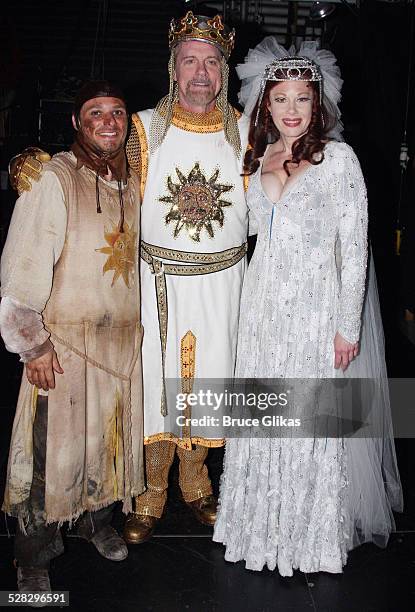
{"points": [[307, 147]]}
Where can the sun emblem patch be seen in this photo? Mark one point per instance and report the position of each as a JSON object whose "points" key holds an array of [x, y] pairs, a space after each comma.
{"points": [[121, 253], [195, 202]]}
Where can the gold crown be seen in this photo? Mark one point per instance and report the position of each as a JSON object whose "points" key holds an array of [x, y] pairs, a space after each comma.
{"points": [[198, 27]]}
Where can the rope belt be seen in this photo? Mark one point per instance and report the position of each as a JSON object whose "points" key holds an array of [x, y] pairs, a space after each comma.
{"points": [[185, 264]]}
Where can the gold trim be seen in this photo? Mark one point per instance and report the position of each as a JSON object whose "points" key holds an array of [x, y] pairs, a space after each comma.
{"points": [[209, 443], [187, 361], [138, 140], [199, 123], [187, 367], [189, 257], [245, 177]]}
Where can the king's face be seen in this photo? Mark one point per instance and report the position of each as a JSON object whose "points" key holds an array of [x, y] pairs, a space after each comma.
{"points": [[198, 75]]}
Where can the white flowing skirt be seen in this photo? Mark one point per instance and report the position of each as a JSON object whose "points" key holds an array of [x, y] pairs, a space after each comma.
{"points": [[303, 503]]}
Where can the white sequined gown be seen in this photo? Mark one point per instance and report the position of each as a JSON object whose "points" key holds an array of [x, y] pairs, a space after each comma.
{"points": [[282, 502]]}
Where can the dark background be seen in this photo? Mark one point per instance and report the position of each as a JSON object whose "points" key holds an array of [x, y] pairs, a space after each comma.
{"points": [[48, 48]]}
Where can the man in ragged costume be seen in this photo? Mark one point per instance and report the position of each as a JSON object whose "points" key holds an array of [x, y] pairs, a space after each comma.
{"points": [[71, 309], [194, 227]]}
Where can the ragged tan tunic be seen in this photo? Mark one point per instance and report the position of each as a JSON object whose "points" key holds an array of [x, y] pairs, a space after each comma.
{"points": [[72, 264]]}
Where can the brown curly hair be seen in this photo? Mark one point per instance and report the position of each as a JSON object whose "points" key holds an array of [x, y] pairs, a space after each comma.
{"points": [[307, 147]]}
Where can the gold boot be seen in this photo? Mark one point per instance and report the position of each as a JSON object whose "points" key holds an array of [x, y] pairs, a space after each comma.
{"points": [[195, 484], [149, 506], [139, 528], [204, 509]]}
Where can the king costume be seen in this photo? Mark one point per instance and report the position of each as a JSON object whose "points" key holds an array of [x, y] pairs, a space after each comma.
{"points": [[194, 228]]}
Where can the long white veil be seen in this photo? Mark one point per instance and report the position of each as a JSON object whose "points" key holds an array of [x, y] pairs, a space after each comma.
{"points": [[374, 487]]}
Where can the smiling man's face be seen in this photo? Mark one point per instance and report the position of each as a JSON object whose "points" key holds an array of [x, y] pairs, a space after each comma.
{"points": [[198, 75], [104, 123]]}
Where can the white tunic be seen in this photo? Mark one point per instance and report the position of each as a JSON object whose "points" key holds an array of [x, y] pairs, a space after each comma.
{"points": [[198, 170]]}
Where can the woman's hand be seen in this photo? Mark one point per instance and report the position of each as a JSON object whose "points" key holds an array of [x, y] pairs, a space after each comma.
{"points": [[344, 352]]}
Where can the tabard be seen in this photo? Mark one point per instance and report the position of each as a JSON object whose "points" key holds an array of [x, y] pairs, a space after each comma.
{"points": [[194, 229]]}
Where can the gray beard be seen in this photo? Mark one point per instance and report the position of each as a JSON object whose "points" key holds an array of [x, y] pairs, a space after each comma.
{"points": [[200, 98]]}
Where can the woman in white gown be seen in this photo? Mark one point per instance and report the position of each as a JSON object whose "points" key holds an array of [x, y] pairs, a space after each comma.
{"points": [[304, 503]]}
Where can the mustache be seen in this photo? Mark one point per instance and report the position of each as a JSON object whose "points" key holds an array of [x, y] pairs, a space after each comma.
{"points": [[200, 82]]}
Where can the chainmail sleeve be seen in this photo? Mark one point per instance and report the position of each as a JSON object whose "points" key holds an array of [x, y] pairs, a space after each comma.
{"points": [[137, 150]]}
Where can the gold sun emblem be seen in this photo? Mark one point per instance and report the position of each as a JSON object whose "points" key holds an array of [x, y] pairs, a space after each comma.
{"points": [[196, 202], [121, 253]]}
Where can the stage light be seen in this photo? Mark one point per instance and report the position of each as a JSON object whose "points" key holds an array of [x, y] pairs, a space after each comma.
{"points": [[321, 10]]}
